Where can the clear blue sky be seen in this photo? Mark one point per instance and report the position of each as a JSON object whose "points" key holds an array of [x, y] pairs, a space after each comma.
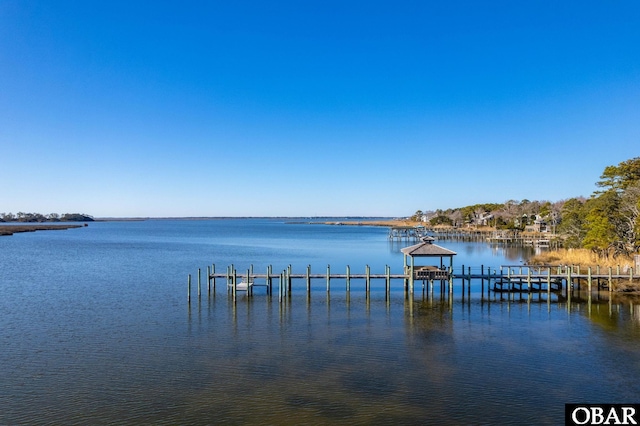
{"points": [[308, 108]]}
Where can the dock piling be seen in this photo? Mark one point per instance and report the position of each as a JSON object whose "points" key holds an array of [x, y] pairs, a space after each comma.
{"points": [[367, 280], [189, 289], [234, 283], [348, 279], [610, 280], [387, 284], [328, 278]]}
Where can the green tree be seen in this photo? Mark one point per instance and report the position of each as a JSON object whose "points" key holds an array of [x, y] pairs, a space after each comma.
{"points": [[440, 220], [629, 219], [619, 177], [571, 227], [619, 202], [545, 209], [417, 215], [603, 224]]}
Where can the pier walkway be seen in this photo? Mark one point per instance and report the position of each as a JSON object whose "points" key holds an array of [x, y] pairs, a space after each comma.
{"points": [[529, 279]]}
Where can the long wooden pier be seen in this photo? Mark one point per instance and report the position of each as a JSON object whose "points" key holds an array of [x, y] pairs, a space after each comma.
{"points": [[520, 278]]}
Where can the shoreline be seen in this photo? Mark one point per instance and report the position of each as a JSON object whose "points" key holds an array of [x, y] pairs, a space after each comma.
{"points": [[7, 230], [389, 222]]}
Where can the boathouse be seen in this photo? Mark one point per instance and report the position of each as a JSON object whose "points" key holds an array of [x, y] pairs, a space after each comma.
{"points": [[426, 248]]}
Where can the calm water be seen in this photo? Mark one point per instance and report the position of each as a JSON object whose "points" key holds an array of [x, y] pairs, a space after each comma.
{"points": [[95, 328]]}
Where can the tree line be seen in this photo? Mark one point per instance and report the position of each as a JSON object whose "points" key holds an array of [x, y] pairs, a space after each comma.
{"points": [[51, 217], [607, 222]]}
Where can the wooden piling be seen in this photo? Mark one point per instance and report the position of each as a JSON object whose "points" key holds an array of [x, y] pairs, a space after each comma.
{"points": [[367, 280], [308, 279], [387, 285], [213, 271], [348, 279], [610, 281], [234, 283], [328, 278], [569, 284], [199, 282], [189, 289]]}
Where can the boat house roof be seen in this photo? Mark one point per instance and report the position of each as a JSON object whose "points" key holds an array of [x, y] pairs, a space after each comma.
{"points": [[427, 249]]}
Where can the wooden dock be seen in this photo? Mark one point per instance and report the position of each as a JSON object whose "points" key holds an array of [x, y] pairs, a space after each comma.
{"points": [[510, 279], [544, 239], [407, 232]]}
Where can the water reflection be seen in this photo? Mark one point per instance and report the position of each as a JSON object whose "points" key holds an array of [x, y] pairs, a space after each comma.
{"points": [[410, 359], [428, 359], [426, 298]]}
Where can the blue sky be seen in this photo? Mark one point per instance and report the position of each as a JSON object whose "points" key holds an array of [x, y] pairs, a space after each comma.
{"points": [[310, 108]]}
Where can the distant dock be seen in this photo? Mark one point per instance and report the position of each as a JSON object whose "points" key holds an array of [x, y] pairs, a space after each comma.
{"points": [[417, 232]]}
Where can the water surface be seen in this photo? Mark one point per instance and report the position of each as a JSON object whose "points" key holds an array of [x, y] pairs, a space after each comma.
{"points": [[95, 328]]}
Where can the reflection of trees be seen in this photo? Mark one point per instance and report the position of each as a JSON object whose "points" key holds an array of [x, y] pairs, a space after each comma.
{"points": [[431, 321], [431, 345], [396, 244], [514, 253], [517, 253], [613, 311]]}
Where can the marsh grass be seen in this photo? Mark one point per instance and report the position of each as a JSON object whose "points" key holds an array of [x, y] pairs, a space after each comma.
{"points": [[586, 258], [581, 257]]}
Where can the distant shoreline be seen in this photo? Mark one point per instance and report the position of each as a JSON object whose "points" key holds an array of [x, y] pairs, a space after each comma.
{"points": [[350, 220], [6, 230], [370, 222], [16, 227]]}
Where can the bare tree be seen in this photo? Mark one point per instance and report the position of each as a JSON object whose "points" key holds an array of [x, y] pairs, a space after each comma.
{"points": [[629, 210], [456, 217]]}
